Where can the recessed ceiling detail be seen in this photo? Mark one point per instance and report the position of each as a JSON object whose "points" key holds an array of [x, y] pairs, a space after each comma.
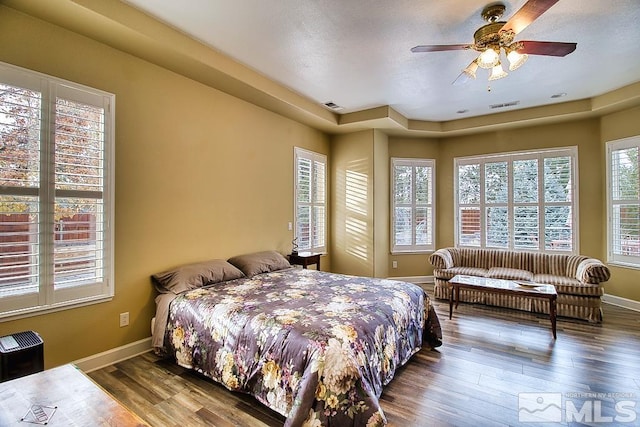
{"points": [[358, 51]]}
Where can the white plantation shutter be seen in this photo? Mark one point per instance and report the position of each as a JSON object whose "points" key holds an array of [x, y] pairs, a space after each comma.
{"points": [[56, 140], [523, 201], [468, 204], [412, 205], [310, 200], [623, 204]]}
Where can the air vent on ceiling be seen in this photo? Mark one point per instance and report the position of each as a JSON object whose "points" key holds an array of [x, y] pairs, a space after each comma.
{"points": [[506, 104], [559, 95], [333, 106]]}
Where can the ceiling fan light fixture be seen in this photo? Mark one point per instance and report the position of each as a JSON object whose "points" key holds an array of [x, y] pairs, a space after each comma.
{"points": [[488, 58], [516, 59], [471, 69], [497, 72]]}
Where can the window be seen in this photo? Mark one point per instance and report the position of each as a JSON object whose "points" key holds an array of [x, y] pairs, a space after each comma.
{"points": [[310, 201], [518, 201], [412, 200], [623, 201], [56, 213]]}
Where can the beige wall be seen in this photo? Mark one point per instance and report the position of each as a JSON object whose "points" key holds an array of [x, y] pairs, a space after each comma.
{"points": [[352, 203], [199, 174], [381, 198], [583, 134], [624, 281], [589, 136], [411, 265]]}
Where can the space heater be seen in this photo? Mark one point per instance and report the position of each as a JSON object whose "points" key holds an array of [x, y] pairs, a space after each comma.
{"points": [[21, 354]]}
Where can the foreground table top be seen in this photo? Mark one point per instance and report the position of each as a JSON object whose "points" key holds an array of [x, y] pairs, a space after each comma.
{"points": [[62, 396]]}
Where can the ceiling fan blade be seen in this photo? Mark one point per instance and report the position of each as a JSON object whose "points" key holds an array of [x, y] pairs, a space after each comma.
{"points": [[527, 14], [547, 48], [440, 47]]}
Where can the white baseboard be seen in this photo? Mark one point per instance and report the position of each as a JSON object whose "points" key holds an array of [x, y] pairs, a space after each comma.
{"points": [[114, 355], [414, 279], [621, 302]]}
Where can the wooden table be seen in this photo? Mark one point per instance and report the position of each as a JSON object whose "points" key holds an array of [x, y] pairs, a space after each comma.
{"points": [[68, 395], [508, 287], [305, 259]]}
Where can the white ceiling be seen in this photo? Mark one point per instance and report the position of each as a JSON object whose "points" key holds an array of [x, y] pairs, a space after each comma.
{"points": [[356, 53]]}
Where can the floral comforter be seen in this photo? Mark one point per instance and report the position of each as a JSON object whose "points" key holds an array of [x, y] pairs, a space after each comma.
{"points": [[316, 347]]}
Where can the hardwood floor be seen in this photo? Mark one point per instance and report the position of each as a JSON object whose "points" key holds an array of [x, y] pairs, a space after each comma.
{"points": [[489, 356]]}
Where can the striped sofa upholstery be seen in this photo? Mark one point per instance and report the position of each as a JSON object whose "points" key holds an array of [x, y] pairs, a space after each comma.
{"points": [[577, 278]]}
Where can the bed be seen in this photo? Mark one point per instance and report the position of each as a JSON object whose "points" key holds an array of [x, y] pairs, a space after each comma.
{"points": [[316, 347]]}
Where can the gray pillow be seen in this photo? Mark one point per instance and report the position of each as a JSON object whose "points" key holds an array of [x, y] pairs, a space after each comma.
{"points": [[196, 275], [260, 262]]}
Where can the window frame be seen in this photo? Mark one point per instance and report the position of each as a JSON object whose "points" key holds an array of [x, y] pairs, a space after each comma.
{"points": [[482, 205], [313, 157], [413, 247], [46, 296], [620, 259]]}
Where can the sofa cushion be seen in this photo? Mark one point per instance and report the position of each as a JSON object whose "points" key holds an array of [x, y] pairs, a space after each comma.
{"points": [[509, 273], [569, 285]]}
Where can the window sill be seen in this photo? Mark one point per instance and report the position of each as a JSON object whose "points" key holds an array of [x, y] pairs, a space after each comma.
{"points": [[627, 265], [413, 252], [38, 311]]}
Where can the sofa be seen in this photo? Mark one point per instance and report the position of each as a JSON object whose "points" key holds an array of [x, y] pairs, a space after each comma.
{"points": [[578, 279]]}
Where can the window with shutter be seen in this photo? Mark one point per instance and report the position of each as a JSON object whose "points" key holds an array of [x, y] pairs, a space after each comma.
{"points": [[412, 205], [310, 200], [623, 202], [517, 201], [56, 217]]}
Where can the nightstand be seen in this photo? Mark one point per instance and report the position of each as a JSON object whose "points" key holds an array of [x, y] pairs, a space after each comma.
{"points": [[305, 259]]}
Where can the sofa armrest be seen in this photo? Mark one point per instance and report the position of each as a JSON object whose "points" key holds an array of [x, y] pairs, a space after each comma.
{"points": [[441, 259], [593, 271]]}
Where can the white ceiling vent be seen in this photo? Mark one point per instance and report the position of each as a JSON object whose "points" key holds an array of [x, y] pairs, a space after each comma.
{"points": [[333, 106], [504, 105]]}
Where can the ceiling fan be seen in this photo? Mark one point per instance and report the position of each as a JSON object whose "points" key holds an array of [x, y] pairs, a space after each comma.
{"points": [[497, 36]]}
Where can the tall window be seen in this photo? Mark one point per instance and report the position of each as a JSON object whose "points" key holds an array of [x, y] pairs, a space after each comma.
{"points": [[623, 201], [310, 200], [56, 213], [412, 209], [518, 201]]}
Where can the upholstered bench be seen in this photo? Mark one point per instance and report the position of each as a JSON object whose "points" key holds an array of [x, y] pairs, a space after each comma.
{"points": [[577, 278]]}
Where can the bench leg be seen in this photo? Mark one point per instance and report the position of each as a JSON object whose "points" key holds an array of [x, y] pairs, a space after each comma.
{"points": [[553, 313], [451, 291]]}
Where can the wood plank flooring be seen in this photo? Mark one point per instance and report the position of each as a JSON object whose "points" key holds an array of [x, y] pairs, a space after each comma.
{"points": [[489, 356]]}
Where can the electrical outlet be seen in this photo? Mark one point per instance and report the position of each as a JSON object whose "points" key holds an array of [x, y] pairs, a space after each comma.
{"points": [[124, 319], [394, 264], [290, 226]]}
